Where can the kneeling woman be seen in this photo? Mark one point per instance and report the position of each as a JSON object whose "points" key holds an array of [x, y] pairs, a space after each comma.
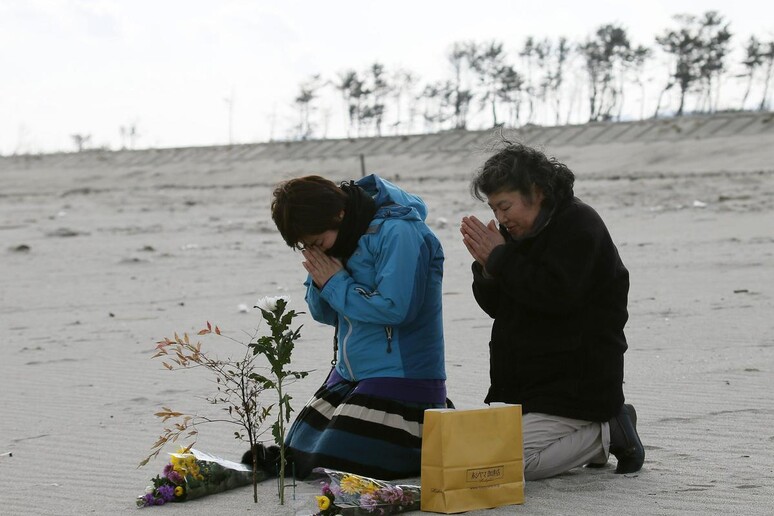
{"points": [[375, 271]]}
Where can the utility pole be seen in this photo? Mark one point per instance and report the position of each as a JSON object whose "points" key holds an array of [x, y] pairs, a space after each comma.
{"points": [[230, 101]]}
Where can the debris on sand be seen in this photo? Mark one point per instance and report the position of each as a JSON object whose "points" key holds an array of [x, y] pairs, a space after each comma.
{"points": [[65, 232]]}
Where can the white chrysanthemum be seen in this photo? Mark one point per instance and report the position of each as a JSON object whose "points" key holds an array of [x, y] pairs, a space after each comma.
{"points": [[269, 303]]}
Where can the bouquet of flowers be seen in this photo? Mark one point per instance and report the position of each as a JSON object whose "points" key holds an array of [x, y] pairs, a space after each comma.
{"points": [[346, 494], [192, 474]]}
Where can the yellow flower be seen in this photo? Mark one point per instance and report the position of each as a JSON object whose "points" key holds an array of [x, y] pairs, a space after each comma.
{"points": [[367, 487], [353, 484], [350, 484], [323, 502], [184, 463], [179, 466], [179, 491]]}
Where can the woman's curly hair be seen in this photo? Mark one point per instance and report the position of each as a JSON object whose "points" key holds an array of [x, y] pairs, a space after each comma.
{"points": [[517, 167]]}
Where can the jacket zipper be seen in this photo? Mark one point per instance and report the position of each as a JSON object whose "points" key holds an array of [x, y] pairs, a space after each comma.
{"points": [[388, 330], [344, 349]]}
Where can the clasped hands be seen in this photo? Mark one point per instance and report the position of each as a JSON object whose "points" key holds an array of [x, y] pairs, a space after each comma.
{"points": [[320, 266], [480, 238]]}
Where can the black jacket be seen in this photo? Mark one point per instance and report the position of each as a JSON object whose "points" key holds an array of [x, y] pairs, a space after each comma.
{"points": [[558, 299]]}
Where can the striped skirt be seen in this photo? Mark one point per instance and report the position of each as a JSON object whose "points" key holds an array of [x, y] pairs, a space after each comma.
{"points": [[371, 428]]}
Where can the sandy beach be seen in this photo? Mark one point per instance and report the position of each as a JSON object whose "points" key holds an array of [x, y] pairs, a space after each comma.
{"points": [[103, 254]]}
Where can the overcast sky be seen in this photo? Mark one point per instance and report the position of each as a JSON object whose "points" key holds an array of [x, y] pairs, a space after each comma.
{"points": [[173, 67]]}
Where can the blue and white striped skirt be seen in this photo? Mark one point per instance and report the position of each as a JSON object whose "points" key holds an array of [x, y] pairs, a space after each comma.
{"points": [[371, 428]]}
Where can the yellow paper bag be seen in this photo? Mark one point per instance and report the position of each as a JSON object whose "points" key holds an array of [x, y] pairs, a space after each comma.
{"points": [[472, 459]]}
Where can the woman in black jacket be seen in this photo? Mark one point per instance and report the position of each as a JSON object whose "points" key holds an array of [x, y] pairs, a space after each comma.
{"points": [[551, 278]]}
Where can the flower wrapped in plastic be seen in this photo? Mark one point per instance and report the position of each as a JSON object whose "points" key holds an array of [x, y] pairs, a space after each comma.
{"points": [[347, 494], [192, 474]]}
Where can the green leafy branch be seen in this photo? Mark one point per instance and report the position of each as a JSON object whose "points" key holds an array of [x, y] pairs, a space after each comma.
{"points": [[278, 350]]}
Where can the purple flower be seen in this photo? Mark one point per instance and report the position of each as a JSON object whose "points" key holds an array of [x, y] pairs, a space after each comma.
{"points": [[390, 494], [149, 500], [369, 502], [326, 489], [168, 469], [175, 477], [166, 492]]}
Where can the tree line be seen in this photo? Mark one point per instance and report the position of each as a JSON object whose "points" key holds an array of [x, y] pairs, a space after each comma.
{"points": [[546, 81]]}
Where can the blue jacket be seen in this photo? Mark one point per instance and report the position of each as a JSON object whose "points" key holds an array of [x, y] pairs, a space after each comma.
{"points": [[388, 298]]}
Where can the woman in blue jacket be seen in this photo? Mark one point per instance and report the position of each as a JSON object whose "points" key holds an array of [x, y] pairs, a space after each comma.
{"points": [[375, 272]]}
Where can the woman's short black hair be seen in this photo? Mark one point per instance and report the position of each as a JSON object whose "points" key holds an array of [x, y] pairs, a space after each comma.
{"points": [[517, 167], [306, 206]]}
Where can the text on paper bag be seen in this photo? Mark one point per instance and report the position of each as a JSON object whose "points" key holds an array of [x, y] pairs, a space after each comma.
{"points": [[490, 474]]}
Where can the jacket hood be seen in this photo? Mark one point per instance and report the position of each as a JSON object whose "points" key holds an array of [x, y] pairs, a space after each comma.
{"points": [[391, 201]]}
